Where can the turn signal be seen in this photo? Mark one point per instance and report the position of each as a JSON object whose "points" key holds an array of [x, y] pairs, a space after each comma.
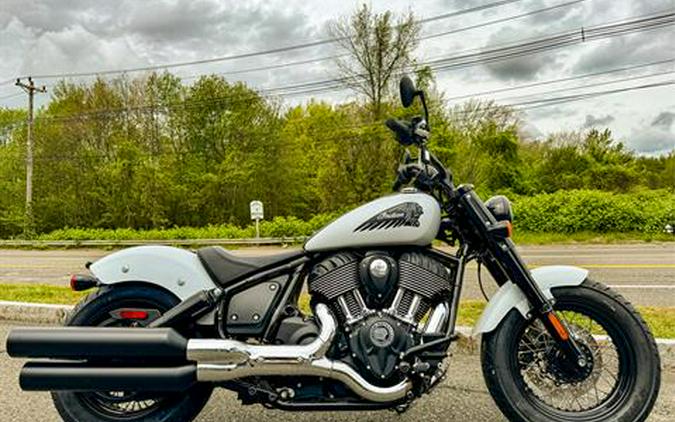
{"points": [[501, 229], [509, 228], [79, 283]]}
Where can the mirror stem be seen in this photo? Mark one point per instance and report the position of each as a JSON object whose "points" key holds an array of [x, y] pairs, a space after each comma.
{"points": [[426, 110]]}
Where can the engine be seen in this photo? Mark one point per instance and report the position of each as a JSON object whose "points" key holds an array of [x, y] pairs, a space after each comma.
{"points": [[381, 299]]}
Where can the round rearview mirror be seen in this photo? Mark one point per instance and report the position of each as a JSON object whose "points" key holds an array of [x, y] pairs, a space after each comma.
{"points": [[408, 91]]}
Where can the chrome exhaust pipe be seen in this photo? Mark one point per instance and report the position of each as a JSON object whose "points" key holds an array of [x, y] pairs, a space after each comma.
{"points": [[223, 360], [89, 351]]}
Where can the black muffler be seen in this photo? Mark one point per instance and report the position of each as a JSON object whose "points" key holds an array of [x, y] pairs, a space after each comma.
{"points": [[102, 359], [98, 343], [72, 376]]}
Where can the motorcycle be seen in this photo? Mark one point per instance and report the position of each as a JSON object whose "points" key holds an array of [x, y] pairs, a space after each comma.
{"points": [[165, 326]]}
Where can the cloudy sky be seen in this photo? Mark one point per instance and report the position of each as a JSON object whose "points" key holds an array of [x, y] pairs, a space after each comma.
{"points": [[39, 37]]}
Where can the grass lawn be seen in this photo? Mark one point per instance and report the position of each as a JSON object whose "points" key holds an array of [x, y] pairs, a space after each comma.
{"points": [[660, 320], [40, 293]]}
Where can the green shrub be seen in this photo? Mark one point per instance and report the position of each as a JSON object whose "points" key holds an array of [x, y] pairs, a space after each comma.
{"points": [[596, 211], [571, 211]]}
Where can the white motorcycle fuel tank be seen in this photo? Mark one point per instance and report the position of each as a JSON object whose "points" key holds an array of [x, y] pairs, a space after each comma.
{"points": [[399, 219]]}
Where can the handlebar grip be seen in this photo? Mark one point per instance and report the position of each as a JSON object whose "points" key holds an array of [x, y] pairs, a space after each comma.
{"points": [[402, 130]]}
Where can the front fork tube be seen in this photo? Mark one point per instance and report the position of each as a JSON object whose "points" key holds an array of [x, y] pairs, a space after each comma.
{"points": [[512, 264], [507, 264]]}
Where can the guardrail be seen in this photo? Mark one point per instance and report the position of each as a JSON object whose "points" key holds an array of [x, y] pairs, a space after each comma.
{"points": [[126, 242]]}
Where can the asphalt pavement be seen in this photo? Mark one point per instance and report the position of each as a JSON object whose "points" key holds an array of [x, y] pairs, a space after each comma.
{"points": [[461, 397], [643, 272]]}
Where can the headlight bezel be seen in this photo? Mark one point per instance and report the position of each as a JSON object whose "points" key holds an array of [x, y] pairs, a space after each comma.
{"points": [[500, 207]]}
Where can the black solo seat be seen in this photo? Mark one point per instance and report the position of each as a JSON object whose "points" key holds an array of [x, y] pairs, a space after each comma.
{"points": [[226, 268]]}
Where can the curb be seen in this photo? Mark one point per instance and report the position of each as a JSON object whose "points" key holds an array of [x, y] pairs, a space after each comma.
{"points": [[39, 313], [34, 313]]}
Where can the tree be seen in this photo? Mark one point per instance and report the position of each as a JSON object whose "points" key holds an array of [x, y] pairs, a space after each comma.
{"points": [[480, 143], [377, 50]]}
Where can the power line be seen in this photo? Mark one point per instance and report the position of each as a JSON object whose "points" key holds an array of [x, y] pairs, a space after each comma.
{"points": [[265, 94], [593, 85], [512, 51], [557, 41], [430, 36], [186, 105], [269, 67], [570, 98], [554, 81], [262, 52], [501, 20], [323, 58]]}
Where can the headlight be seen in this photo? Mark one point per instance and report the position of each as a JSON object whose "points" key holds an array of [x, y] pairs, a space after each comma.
{"points": [[500, 207]]}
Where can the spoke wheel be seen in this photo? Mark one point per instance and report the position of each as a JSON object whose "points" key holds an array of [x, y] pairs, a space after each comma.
{"points": [[531, 379], [553, 383]]}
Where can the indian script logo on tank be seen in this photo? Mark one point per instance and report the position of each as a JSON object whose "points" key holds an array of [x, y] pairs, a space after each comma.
{"points": [[402, 215]]}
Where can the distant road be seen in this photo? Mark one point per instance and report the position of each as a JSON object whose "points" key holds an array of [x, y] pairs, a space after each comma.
{"points": [[644, 273]]}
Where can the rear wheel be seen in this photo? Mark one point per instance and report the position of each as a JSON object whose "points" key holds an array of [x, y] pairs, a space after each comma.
{"points": [[527, 375], [104, 308]]}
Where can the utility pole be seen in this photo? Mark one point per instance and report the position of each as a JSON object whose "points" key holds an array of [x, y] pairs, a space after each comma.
{"points": [[31, 89]]}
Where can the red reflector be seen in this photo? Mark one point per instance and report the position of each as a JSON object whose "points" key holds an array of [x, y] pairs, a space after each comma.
{"points": [[130, 314], [558, 326], [73, 282]]}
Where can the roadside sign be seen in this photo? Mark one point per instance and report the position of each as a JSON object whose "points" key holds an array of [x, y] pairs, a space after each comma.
{"points": [[256, 210], [257, 214]]}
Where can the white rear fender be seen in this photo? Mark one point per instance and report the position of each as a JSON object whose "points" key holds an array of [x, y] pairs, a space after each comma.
{"points": [[510, 296], [174, 269]]}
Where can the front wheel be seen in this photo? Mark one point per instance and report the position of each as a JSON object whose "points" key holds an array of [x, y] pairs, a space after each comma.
{"points": [[526, 372]]}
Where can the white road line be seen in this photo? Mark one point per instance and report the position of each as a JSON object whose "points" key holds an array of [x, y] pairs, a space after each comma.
{"points": [[642, 286]]}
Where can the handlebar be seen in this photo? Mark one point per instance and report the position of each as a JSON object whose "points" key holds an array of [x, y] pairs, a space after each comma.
{"points": [[429, 172]]}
